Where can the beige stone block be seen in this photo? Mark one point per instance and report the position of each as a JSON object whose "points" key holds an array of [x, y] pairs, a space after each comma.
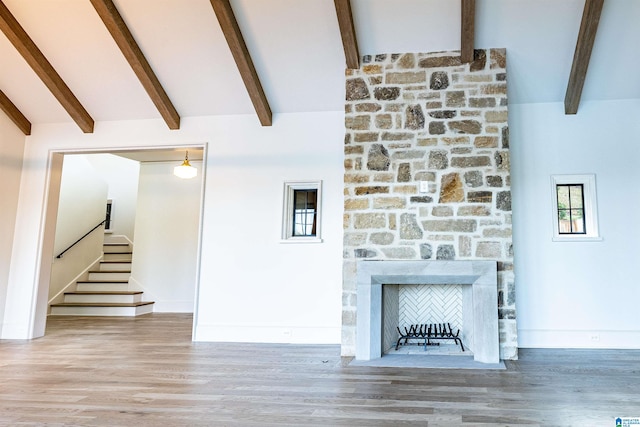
{"points": [[349, 275], [450, 225], [358, 122], [368, 107], [496, 232], [372, 69], [397, 136], [348, 164], [474, 210], [381, 238], [353, 149], [408, 155], [369, 220], [376, 189], [451, 190], [393, 222], [464, 246], [394, 107], [356, 204], [405, 189], [486, 141], [354, 178], [406, 78], [389, 202], [433, 105], [407, 61], [354, 239], [473, 78], [400, 253], [491, 250], [427, 142], [494, 89], [441, 211], [365, 136], [459, 140], [399, 145], [384, 121], [384, 177], [496, 116]]}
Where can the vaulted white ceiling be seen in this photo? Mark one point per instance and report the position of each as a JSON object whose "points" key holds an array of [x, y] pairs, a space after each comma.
{"points": [[297, 51]]}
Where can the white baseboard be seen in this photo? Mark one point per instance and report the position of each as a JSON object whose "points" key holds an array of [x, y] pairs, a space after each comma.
{"points": [[541, 338], [171, 306], [267, 334], [15, 331]]}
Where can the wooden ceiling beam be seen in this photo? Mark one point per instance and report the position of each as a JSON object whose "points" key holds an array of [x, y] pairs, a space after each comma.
{"points": [[348, 33], [43, 68], [14, 114], [582, 55], [132, 52], [467, 34], [232, 33]]}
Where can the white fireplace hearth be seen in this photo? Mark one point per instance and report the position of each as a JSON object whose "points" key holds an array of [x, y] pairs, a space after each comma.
{"points": [[479, 294]]}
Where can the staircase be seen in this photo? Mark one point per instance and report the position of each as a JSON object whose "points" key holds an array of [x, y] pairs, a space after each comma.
{"points": [[106, 291]]}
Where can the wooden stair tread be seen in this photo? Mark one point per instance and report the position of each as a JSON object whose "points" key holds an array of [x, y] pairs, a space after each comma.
{"points": [[115, 261], [102, 304], [102, 281], [110, 271], [104, 293]]}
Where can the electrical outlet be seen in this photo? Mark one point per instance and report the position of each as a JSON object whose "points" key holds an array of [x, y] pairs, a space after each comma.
{"points": [[595, 337], [424, 186]]}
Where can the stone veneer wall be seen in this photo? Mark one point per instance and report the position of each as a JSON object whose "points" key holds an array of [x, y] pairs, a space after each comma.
{"points": [[427, 120]]}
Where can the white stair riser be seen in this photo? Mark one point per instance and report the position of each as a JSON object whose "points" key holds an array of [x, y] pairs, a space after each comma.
{"points": [[115, 248], [107, 275], [102, 286], [101, 311], [117, 257], [103, 298], [115, 266]]}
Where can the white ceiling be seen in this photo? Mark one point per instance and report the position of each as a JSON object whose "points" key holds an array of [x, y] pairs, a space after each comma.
{"points": [[297, 51]]}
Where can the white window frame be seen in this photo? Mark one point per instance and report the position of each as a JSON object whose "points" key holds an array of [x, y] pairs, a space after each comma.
{"points": [[110, 229], [288, 207], [588, 182]]}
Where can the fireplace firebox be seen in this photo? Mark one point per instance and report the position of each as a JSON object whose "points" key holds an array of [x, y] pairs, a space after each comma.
{"points": [[479, 295]]}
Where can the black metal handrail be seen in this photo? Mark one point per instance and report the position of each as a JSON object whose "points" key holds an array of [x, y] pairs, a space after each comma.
{"points": [[78, 241]]}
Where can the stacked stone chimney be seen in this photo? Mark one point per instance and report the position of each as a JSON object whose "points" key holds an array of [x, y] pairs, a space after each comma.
{"points": [[427, 170]]}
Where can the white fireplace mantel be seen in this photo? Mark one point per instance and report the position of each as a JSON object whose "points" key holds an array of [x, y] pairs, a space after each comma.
{"points": [[481, 298]]}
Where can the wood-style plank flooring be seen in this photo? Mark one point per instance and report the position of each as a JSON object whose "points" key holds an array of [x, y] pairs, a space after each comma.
{"points": [[145, 371]]}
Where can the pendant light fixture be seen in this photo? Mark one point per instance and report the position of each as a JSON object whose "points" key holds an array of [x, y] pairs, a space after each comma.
{"points": [[185, 170]]}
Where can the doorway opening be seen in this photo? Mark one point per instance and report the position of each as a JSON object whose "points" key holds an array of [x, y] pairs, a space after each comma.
{"points": [[165, 229]]}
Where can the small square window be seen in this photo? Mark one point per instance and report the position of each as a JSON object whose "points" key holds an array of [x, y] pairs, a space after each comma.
{"points": [[108, 219], [301, 212], [574, 203]]}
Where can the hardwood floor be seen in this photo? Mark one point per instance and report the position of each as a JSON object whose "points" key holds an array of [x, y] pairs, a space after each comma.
{"points": [[145, 371]]}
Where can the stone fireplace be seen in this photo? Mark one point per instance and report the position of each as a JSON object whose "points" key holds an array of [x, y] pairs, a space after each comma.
{"points": [[479, 284], [427, 180]]}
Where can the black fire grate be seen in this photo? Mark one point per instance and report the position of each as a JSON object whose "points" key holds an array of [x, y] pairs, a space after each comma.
{"points": [[428, 333]]}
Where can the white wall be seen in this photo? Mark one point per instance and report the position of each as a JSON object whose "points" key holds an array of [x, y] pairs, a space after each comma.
{"points": [[11, 148], [251, 286], [121, 175], [576, 294], [81, 206], [167, 228]]}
